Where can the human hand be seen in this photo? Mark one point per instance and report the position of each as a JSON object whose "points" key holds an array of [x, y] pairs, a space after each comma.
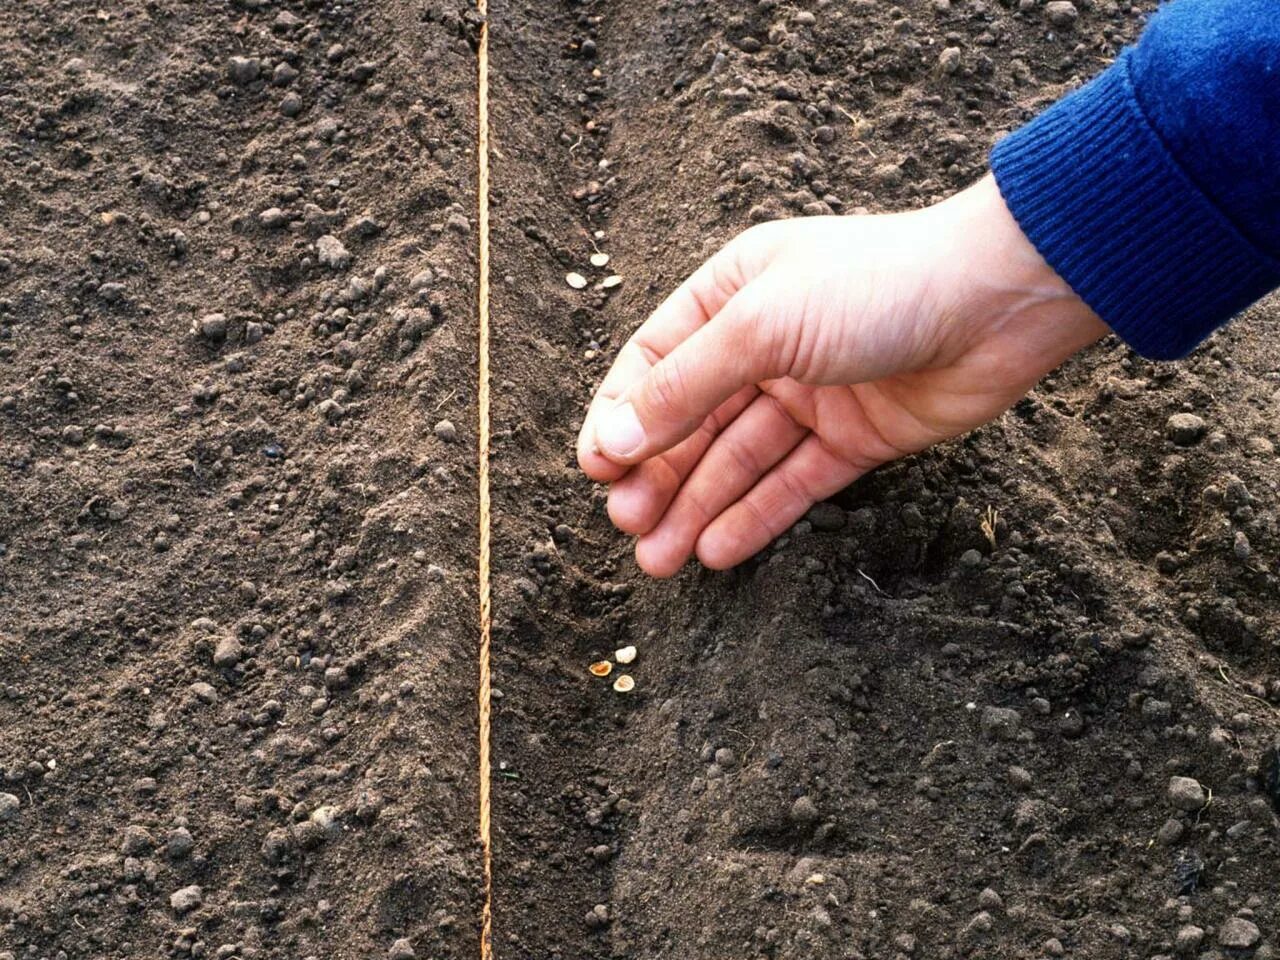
{"points": [[806, 353]]}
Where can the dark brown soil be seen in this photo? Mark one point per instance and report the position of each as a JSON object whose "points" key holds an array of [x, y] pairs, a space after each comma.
{"points": [[886, 737], [278, 490]]}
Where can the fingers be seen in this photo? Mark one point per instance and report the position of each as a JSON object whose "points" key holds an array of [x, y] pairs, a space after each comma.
{"points": [[683, 314], [743, 453], [811, 473], [673, 398], [638, 500]]}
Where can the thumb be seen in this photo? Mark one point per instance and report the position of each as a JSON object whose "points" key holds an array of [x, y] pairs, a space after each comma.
{"points": [[679, 392]]}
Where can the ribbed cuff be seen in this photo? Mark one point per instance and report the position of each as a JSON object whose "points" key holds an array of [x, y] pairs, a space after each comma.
{"points": [[1099, 196]]}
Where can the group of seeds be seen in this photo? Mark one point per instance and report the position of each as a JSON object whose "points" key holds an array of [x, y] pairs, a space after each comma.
{"points": [[624, 683], [599, 261]]}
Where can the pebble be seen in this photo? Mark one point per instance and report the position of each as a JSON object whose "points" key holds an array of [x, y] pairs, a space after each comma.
{"points": [[1071, 724], [276, 845], [1186, 793], [827, 517], [228, 652], [186, 899], [1061, 13], [804, 810], [244, 70], [1188, 939], [949, 60], [1170, 832], [273, 218], [9, 805], [291, 105], [137, 841], [1239, 934], [112, 292], [212, 326], [180, 844], [1000, 722], [331, 253], [446, 431], [402, 949], [1184, 429]]}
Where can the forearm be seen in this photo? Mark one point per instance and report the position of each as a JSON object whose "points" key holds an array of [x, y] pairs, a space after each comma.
{"points": [[1153, 190]]}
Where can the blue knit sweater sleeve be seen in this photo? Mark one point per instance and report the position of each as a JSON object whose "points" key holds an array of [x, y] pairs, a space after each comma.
{"points": [[1154, 190]]}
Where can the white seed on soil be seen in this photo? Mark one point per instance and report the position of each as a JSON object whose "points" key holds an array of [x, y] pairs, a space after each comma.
{"points": [[625, 654], [575, 280], [599, 259], [611, 281], [624, 684]]}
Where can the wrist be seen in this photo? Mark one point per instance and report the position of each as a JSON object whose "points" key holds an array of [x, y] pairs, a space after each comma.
{"points": [[1007, 292]]}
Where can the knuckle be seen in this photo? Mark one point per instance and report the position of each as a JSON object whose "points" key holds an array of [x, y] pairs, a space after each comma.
{"points": [[667, 390], [746, 461]]}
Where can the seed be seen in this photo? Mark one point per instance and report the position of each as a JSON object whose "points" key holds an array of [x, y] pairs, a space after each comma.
{"points": [[624, 684], [611, 281], [601, 668], [575, 280], [599, 259], [625, 655]]}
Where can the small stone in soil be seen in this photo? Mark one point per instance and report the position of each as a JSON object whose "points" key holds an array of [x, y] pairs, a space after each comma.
{"points": [[212, 326], [187, 899], [1239, 934], [1061, 13], [228, 652], [446, 431], [331, 253], [273, 218], [1184, 429], [9, 805], [804, 811], [402, 949], [1186, 793], [827, 517], [244, 70]]}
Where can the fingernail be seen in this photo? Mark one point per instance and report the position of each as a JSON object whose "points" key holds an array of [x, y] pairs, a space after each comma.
{"points": [[620, 434]]}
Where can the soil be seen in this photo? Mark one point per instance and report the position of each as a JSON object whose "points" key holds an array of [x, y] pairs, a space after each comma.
{"points": [[237, 587]]}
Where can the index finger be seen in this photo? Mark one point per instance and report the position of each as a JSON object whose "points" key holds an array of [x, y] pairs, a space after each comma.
{"points": [[688, 308]]}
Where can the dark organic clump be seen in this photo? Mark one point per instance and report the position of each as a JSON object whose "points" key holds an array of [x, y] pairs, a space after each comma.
{"points": [[1188, 870], [1269, 772]]}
